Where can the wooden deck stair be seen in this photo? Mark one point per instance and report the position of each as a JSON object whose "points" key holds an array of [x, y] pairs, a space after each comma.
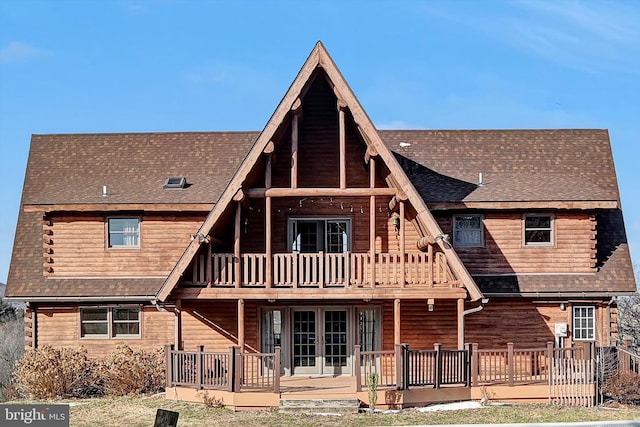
{"points": [[343, 406]]}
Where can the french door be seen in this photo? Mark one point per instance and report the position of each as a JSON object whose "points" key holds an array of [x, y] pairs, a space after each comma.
{"points": [[321, 341]]}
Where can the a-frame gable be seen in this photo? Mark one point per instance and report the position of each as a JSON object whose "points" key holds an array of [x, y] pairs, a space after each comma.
{"points": [[320, 59]]}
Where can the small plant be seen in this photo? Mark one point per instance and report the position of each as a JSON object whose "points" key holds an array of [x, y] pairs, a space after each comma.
{"points": [[211, 401], [487, 395], [372, 389]]}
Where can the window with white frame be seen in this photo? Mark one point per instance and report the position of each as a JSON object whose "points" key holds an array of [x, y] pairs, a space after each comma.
{"points": [[308, 235], [538, 230], [468, 230], [123, 233], [110, 322], [584, 323]]}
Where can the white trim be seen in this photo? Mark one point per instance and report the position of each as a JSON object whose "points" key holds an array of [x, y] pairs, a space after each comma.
{"points": [[108, 244], [110, 322], [551, 229], [593, 321], [455, 231]]}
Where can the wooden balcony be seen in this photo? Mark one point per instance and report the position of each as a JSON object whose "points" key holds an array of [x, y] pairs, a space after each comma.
{"points": [[320, 270]]}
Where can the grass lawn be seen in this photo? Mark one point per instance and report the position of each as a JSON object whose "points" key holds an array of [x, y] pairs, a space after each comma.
{"points": [[136, 411]]}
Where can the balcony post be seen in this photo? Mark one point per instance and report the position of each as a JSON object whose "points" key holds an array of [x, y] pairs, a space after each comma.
{"points": [[168, 358], [510, 367], [437, 378], [358, 368], [236, 246], [231, 371], [241, 324], [468, 364], [474, 364], [268, 237], [199, 367], [372, 222], [276, 371], [402, 245]]}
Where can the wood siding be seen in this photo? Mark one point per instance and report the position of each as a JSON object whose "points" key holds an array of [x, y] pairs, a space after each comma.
{"points": [[528, 324], [77, 245], [573, 250], [420, 328], [60, 327]]}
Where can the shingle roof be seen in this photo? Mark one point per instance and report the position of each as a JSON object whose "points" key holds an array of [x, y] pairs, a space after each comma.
{"points": [[70, 169], [517, 165]]}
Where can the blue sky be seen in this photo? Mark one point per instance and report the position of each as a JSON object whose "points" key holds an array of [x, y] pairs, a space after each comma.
{"points": [[130, 66]]}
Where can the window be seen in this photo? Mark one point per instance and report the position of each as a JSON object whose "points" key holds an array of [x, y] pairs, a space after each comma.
{"points": [[123, 233], [114, 322], [538, 230], [319, 235], [467, 230], [584, 323], [175, 183]]}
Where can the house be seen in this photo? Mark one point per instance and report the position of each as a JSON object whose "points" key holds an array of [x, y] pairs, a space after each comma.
{"points": [[321, 237]]}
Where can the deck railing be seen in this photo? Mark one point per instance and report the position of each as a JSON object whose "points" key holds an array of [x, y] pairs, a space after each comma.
{"points": [[628, 363], [233, 371], [299, 270]]}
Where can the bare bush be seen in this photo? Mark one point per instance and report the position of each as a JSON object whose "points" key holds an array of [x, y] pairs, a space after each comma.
{"points": [[50, 373], [11, 350], [125, 371], [624, 388]]}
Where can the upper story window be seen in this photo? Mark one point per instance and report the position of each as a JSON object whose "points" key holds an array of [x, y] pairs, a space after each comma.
{"points": [[468, 230], [584, 323], [123, 233], [319, 235], [538, 230], [110, 322]]}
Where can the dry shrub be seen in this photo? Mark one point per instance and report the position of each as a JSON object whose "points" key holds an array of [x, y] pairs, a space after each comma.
{"points": [[211, 401], [624, 388], [11, 350], [50, 373], [125, 371]]}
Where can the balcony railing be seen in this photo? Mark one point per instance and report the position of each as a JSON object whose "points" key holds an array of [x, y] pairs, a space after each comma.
{"points": [[317, 270]]}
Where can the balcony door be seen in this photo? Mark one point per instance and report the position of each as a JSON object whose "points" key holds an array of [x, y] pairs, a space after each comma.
{"points": [[321, 341]]}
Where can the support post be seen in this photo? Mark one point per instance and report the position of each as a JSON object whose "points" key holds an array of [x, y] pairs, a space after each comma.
{"points": [[402, 245], [241, 324], [343, 146], [237, 367], [269, 246], [372, 223], [396, 321], [199, 367], [460, 306], [294, 150], [231, 371], [268, 230], [510, 367], [358, 368], [178, 325], [209, 269], [468, 366], [168, 367], [236, 246], [276, 371], [549, 358], [400, 366], [437, 378], [474, 364]]}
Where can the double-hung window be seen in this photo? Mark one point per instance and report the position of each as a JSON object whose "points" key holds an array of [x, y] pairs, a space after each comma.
{"points": [[123, 233], [468, 230], [110, 322], [538, 230], [584, 323]]}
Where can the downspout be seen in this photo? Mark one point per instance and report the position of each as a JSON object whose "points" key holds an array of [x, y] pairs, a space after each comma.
{"points": [[483, 301]]}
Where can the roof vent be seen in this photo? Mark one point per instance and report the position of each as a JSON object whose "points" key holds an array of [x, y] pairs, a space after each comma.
{"points": [[175, 183]]}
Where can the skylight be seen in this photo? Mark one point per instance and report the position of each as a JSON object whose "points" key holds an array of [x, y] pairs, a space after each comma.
{"points": [[175, 183]]}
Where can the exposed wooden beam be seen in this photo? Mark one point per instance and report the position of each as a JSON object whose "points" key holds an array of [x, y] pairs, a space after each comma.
{"points": [[240, 196], [294, 151], [460, 310], [241, 324], [270, 148], [393, 204], [324, 294], [402, 243], [236, 245], [268, 240], [371, 152], [320, 192], [108, 207], [178, 325], [372, 222], [296, 106], [343, 146], [424, 242], [396, 322]]}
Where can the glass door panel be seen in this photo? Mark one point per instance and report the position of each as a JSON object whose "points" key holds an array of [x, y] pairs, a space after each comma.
{"points": [[335, 355], [304, 342]]}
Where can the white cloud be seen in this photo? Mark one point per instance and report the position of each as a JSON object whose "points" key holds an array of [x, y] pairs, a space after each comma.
{"points": [[18, 51]]}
